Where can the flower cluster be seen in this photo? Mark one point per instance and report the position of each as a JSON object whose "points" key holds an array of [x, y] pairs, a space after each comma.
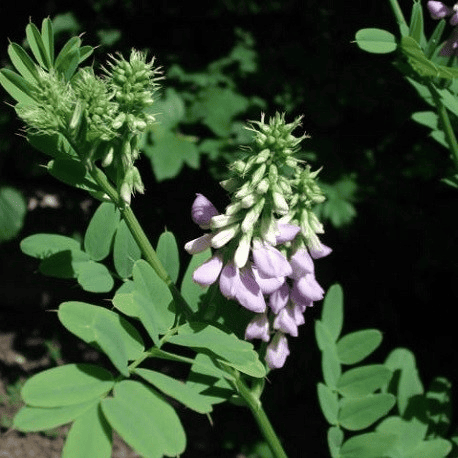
{"points": [[439, 10], [265, 243]]}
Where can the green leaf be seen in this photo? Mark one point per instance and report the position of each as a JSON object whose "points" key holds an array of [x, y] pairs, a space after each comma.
{"points": [[30, 419], [329, 403], [170, 108], [234, 352], [94, 277], [439, 406], [363, 380], [377, 41], [153, 300], [37, 46], [144, 420], [435, 448], [56, 146], [427, 118], [332, 314], [409, 384], [125, 251], [323, 336], [17, 87], [208, 380], [409, 433], [100, 231], [190, 290], [435, 39], [67, 385], [13, 209], [124, 301], [170, 152], [167, 252], [420, 63], [354, 347], [23, 63], [180, 391], [67, 54], [369, 445], [218, 107], [335, 438], [359, 413], [90, 435], [42, 246], [72, 172], [47, 34], [84, 53], [416, 23], [330, 366], [114, 335]]}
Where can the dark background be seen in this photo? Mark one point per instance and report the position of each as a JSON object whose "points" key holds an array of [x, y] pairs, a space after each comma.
{"points": [[396, 260]]}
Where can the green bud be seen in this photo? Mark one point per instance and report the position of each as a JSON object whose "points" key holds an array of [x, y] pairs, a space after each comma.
{"points": [[224, 236], [252, 216], [263, 186], [258, 175]]}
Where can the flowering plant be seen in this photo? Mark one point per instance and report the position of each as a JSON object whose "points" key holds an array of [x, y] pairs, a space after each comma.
{"points": [[264, 245], [226, 317]]}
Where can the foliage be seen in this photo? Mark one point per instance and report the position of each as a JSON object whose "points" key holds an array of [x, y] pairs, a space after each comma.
{"points": [[410, 421]]}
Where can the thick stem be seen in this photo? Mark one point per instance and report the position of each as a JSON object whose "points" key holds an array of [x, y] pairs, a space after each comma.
{"points": [[398, 15], [140, 237], [267, 430]]}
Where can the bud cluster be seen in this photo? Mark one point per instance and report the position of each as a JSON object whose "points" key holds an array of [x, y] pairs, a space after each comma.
{"points": [[102, 117], [266, 240], [53, 107]]}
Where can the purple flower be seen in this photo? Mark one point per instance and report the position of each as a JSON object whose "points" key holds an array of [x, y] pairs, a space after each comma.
{"points": [[203, 211], [240, 284], [269, 261], [209, 271], [319, 252], [439, 11], [277, 351], [258, 328], [301, 263], [286, 233], [285, 321], [279, 298]]}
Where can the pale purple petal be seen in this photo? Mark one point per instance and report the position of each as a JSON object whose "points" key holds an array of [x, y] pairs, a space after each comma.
{"points": [[202, 211], [438, 10], [267, 285], [209, 271], [277, 351], [258, 328], [270, 261], [298, 299], [248, 292], [287, 232], [198, 245], [319, 252], [298, 314], [229, 280], [301, 263], [285, 322], [309, 288], [278, 299]]}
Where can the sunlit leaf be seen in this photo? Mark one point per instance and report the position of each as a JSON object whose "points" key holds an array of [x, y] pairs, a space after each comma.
{"points": [[376, 41]]}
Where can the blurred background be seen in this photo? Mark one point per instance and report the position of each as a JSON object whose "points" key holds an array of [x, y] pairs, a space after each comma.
{"points": [[225, 62]]}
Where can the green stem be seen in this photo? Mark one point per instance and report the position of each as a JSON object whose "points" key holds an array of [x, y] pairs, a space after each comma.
{"points": [[254, 404], [398, 15], [445, 124], [140, 237]]}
